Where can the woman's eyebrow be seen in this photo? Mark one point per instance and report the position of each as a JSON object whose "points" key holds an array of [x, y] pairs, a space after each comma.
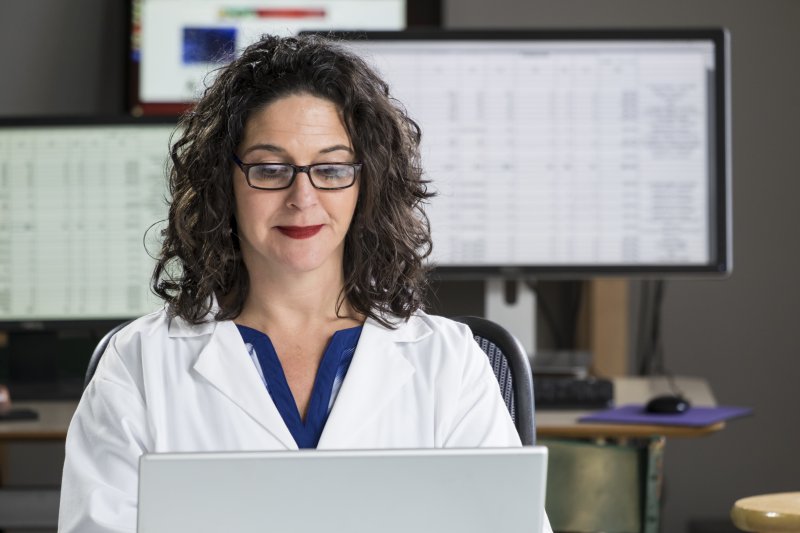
{"points": [[336, 148], [278, 150], [267, 147]]}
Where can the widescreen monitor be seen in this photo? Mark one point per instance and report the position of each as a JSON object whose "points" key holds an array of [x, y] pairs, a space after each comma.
{"points": [[568, 153], [76, 201]]}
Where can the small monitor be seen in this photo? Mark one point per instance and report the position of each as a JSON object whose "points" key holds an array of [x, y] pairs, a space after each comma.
{"points": [[176, 45], [76, 201], [568, 153]]}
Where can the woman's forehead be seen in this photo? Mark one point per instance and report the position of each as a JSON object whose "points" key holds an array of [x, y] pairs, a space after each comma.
{"points": [[308, 120]]}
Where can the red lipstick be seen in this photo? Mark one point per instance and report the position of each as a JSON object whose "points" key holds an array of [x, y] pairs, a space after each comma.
{"points": [[299, 232]]}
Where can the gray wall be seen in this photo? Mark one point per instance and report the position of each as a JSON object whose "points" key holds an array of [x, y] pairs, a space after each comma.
{"points": [[66, 58], [61, 57], [741, 333]]}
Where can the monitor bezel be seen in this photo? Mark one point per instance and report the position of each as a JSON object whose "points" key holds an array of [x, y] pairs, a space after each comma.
{"points": [[721, 262]]}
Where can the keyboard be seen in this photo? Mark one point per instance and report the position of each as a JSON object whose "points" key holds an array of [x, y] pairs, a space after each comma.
{"points": [[560, 392]]}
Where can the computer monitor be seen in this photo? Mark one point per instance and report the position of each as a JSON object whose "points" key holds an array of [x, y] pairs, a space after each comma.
{"points": [[554, 153], [568, 153], [175, 45], [76, 201]]}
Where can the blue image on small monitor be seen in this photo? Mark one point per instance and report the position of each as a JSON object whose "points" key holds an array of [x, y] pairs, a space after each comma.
{"points": [[209, 45]]}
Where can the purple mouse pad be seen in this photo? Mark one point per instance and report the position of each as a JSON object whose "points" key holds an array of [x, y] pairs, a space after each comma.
{"points": [[694, 417]]}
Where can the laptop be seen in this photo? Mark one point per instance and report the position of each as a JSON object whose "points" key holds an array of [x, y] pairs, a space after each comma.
{"points": [[387, 491]]}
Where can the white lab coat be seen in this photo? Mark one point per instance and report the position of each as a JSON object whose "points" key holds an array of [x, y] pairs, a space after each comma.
{"points": [[164, 385]]}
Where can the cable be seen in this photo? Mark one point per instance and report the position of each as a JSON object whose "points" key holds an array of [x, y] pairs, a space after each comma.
{"points": [[547, 313], [644, 330], [656, 342], [564, 327], [652, 360], [649, 349], [574, 312]]}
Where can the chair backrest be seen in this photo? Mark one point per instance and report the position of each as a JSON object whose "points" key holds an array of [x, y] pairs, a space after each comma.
{"points": [[98, 352], [512, 369]]}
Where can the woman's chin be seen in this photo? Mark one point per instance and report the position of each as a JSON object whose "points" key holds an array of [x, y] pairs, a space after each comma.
{"points": [[302, 263], [297, 258]]}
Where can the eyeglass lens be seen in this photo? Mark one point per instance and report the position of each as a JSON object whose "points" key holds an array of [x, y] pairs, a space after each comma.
{"points": [[323, 176]]}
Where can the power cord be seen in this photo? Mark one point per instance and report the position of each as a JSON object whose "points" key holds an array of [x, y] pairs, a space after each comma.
{"points": [[650, 349]]}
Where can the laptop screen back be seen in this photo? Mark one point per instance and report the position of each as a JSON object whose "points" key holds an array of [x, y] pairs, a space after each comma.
{"points": [[469, 491]]}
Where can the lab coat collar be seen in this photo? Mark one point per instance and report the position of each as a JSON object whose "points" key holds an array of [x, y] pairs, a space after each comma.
{"points": [[378, 371], [179, 327], [225, 363]]}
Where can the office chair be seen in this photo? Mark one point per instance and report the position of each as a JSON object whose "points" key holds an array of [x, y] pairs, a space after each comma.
{"points": [[98, 352], [512, 369]]}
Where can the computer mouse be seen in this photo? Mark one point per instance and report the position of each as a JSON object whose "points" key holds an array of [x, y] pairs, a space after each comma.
{"points": [[668, 404]]}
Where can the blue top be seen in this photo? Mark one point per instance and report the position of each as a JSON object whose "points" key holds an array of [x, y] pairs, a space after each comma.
{"points": [[332, 369]]}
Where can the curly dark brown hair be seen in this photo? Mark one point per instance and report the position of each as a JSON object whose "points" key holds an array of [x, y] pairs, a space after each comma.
{"points": [[389, 237]]}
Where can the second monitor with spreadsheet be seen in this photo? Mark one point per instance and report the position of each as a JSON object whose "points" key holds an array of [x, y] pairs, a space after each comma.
{"points": [[77, 200], [568, 152]]}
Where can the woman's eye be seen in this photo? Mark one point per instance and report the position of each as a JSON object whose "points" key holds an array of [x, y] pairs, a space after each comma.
{"points": [[269, 171], [332, 171]]}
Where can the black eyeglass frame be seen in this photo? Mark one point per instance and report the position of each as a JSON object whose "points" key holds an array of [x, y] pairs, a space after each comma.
{"points": [[296, 169]]}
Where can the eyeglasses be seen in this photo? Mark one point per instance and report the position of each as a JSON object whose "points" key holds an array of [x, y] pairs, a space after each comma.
{"points": [[277, 176]]}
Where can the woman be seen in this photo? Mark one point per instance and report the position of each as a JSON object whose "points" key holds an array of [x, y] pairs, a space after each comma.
{"points": [[293, 258]]}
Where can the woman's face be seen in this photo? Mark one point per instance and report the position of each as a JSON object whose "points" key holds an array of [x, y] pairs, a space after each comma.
{"points": [[299, 229]]}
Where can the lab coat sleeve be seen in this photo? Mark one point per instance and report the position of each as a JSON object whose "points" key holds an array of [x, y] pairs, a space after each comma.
{"points": [[107, 435], [482, 418]]}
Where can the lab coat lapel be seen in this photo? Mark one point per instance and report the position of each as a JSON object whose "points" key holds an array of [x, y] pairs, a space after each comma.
{"points": [[377, 373], [225, 363]]}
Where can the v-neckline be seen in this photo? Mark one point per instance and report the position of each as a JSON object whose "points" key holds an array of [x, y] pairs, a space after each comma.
{"points": [[278, 385]]}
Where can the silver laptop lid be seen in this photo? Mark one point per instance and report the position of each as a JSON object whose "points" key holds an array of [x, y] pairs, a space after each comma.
{"points": [[388, 491]]}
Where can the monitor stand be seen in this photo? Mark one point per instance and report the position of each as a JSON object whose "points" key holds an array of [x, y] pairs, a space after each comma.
{"points": [[512, 304]]}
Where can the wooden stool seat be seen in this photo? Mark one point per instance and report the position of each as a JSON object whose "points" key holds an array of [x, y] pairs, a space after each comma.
{"points": [[768, 513]]}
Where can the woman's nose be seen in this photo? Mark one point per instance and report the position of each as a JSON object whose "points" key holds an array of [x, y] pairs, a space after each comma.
{"points": [[302, 193]]}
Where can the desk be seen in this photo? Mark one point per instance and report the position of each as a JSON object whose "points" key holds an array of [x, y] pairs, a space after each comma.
{"points": [[27, 503], [627, 390], [616, 467], [54, 418]]}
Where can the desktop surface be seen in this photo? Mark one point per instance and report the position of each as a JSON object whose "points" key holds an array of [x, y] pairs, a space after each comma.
{"points": [[54, 416]]}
